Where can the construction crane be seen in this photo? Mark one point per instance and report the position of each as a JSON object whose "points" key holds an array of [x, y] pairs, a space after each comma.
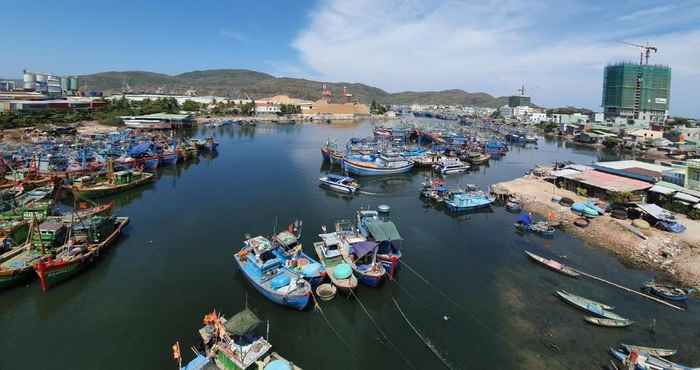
{"points": [[644, 51]]}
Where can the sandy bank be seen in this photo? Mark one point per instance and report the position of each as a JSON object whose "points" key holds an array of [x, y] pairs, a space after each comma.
{"points": [[676, 254]]}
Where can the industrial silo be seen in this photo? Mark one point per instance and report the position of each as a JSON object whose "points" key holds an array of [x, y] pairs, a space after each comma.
{"points": [[29, 80], [73, 83]]}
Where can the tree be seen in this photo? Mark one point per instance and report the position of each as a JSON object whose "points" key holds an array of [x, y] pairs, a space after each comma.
{"points": [[191, 106], [376, 108]]}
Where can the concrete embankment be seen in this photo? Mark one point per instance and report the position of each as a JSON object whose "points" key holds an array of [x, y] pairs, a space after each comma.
{"points": [[678, 255]]}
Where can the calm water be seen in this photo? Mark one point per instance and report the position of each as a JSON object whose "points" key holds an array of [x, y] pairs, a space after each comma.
{"points": [[175, 264]]}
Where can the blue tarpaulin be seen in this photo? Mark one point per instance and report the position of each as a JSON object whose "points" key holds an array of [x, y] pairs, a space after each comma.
{"points": [[525, 219], [140, 150]]}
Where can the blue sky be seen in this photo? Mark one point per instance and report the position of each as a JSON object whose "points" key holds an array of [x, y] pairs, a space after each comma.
{"points": [[557, 48]]}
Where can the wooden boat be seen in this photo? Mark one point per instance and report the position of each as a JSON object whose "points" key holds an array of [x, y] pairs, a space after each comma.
{"points": [[468, 201], [643, 361], [115, 182], [588, 305], [16, 265], [668, 292], [581, 222], [363, 259], [331, 257], [267, 273], [514, 205], [342, 184], [609, 323], [553, 265], [291, 251], [658, 352], [88, 240], [235, 344], [98, 210], [478, 158], [371, 165], [383, 232]]}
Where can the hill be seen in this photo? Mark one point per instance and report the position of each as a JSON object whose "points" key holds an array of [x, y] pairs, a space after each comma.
{"points": [[246, 83]]}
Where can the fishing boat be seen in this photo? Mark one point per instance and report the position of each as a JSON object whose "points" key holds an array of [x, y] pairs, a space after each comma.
{"points": [[467, 201], [114, 182], [89, 238], [448, 166], [477, 158], [524, 223], [373, 165], [588, 305], [267, 273], [668, 292], [644, 361], [167, 158], [330, 254], [236, 343], [553, 265], [16, 266], [331, 153], [514, 205], [363, 257], [383, 232], [291, 251], [608, 323], [342, 184], [658, 352]]}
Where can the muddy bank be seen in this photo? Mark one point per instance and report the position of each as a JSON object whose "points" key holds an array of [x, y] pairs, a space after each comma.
{"points": [[677, 255]]}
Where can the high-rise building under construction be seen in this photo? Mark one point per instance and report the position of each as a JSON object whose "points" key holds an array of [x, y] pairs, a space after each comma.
{"points": [[637, 91]]}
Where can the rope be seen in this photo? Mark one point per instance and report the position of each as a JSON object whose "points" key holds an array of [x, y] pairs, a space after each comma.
{"points": [[430, 346], [381, 332], [333, 329]]}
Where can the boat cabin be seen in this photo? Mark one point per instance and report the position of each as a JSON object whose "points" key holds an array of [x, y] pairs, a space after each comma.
{"points": [[52, 234], [288, 242], [123, 177], [331, 245], [94, 229], [261, 254], [234, 343]]}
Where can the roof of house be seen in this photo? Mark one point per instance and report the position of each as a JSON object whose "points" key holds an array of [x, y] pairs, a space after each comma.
{"points": [[608, 181]]}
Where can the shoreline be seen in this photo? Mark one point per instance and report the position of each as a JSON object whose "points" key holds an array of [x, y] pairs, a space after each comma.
{"points": [[674, 255]]}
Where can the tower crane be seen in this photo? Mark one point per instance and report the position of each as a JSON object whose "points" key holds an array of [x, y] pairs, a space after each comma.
{"points": [[644, 51]]}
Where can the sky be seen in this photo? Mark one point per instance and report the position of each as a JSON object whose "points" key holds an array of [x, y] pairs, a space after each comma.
{"points": [[557, 48]]}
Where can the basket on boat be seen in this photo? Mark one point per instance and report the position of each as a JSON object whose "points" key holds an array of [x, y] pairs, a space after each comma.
{"points": [[326, 291]]}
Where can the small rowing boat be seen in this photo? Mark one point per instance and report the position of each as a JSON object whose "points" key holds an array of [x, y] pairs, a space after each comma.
{"points": [[643, 361], [608, 323], [553, 265], [596, 308], [658, 352], [667, 291]]}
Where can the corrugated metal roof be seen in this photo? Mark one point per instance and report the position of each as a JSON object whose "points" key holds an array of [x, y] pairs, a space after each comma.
{"points": [[686, 197], [565, 172], [662, 189], [655, 211], [608, 181]]}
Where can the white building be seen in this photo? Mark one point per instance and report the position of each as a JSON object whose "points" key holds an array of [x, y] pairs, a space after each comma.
{"points": [[506, 111], [537, 117], [207, 100]]}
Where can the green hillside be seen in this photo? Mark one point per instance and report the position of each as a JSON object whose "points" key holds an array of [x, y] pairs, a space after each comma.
{"points": [[246, 83]]}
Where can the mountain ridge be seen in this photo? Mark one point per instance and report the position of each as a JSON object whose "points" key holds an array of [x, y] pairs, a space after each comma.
{"points": [[247, 83]]}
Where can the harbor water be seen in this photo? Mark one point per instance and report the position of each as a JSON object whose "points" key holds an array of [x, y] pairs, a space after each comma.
{"points": [[478, 300]]}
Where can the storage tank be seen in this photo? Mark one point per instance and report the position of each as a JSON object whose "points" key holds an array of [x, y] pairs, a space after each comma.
{"points": [[65, 84], [73, 83], [29, 80]]}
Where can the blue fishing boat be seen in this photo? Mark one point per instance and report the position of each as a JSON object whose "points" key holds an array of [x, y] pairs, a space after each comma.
{"points": [[267, 273], [167, 158], [291, 251], [372, 165], [668, 292], [467, 201], [364, 263], [385, 234], [644, 361]]}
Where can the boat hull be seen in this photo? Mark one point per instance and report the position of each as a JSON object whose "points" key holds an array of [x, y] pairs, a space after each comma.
{"points": [[10, 279], [99, 192], [359, 168], [297, 302]]}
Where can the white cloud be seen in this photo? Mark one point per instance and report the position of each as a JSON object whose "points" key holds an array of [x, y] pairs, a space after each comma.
{"points": [[558, 48]]}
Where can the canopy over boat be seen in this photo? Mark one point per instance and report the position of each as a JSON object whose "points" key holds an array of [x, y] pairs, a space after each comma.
{"points": [[384, 231], [242, 323], [361, 249], [286, 238], [140, 150]]}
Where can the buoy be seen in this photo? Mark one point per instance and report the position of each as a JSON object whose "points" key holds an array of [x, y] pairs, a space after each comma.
{"points": [[383, 208]]}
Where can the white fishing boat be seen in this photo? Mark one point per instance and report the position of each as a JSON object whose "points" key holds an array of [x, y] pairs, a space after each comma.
{"points": [[342, 184], [448, 166]]}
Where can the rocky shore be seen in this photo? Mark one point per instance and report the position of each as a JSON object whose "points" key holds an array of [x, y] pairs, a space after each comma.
{"points": [[677, 255]]}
